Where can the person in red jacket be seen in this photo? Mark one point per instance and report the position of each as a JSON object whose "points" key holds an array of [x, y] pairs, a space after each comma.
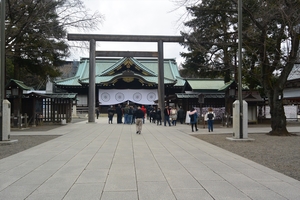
{"points": [[144, 111], [167, 115]]}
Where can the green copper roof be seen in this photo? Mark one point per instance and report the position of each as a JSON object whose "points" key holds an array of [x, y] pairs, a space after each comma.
{"points": [[205, 84], [195, 96], [107, 69], [19, 84], [73, 81], [53, 95], [228, 84]]}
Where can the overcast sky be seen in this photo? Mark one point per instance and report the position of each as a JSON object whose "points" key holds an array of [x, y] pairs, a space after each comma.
{"points": [[137, 17]]}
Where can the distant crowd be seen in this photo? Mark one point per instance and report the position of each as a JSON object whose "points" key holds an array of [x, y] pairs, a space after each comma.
{"points": [[128, 114]]}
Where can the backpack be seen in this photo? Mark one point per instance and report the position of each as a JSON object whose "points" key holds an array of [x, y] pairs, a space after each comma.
{"points": [[173, 112], [130, 112], [210, 116], [110, 113]]}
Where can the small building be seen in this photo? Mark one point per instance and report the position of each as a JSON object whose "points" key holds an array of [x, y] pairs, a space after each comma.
{"points": [[37, 106], [201, 93]]}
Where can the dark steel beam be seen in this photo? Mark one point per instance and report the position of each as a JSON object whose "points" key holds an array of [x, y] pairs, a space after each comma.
{"points": [[91, 114], [161, 77], [2, 66], [124, 38], [126, 54]]}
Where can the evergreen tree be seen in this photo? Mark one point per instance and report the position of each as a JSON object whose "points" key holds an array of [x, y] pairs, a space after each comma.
{"points": [[211, 39], [271, 33], [36, 36]]}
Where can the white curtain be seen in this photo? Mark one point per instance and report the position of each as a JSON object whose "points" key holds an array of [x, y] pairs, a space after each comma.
{"points": [[82, 100], [114, 96]]}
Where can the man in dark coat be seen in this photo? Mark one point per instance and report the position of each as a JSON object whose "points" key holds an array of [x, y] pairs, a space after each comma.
{"points": [[119, 114], [110, 112], [181, 115], [158, 116]]}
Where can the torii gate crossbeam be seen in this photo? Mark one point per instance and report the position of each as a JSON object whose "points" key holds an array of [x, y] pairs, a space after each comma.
{"points": [[126, 54], [124, 38], [92, 38]]}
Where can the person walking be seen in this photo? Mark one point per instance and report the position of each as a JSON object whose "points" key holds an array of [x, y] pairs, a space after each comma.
{"points": [[167, 116], [193, 119], [158, 116], [139, 120], [209, 117], [111, 113], [181, 115], [173, 115]]}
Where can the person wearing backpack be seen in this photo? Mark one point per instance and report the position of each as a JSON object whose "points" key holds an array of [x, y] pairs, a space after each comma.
{"points": [[193, 118], [209, 117]]}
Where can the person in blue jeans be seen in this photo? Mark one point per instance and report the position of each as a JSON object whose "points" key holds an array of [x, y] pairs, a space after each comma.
{"points": [[126, 110], [167, 116], [130, 115], [209, 117]]}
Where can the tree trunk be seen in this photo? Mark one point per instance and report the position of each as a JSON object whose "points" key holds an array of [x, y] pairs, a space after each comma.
{"points": [[16, 63], [278, 119]]}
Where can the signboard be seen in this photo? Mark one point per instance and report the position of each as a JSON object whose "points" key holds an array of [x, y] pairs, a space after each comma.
{"points": [[290, 112]]}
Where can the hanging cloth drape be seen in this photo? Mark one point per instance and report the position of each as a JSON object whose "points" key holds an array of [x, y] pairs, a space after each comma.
{"points": [[139, 96]]}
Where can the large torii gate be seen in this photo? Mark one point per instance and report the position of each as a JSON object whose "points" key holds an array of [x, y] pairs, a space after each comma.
{"points": [[92, 38]]}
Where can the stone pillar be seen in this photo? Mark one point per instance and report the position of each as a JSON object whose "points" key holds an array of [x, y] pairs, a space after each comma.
{"points": [[6, 120], [74, 112]]}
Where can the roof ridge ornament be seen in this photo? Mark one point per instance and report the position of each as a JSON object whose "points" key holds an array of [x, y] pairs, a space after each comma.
{"points": [[128, 72]]}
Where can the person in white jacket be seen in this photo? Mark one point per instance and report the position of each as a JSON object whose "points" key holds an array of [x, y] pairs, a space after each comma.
{"points": [[209, 117]]}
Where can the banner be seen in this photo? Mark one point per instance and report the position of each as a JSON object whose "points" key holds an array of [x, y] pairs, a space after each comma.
{"points": [[139, 96]]}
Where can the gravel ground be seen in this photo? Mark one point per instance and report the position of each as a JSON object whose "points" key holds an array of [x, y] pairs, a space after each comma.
{"points": [[28, 141], [281, 154], [24, 142]]}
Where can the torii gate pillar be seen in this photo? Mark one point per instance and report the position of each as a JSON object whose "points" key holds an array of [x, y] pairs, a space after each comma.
{"points": [[92, 62], [161, 75]]}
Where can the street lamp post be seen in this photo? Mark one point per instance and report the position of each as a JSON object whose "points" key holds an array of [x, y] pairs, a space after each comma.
{"points": [[240, 24], [2, 65]]}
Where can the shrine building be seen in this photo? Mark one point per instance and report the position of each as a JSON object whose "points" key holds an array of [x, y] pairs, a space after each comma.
{"points": [[123, 80]]}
